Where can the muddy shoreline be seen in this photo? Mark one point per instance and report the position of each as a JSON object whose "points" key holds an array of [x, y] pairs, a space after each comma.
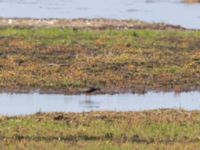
{"points": [[86, 23], [100, 92]]}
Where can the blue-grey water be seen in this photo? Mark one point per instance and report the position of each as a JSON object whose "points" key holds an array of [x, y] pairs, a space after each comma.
{"points": [[24, 104], [167, 11]]}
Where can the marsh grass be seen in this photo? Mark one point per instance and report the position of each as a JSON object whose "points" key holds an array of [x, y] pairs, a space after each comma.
{"points": [[166, 129], [68, 59]]}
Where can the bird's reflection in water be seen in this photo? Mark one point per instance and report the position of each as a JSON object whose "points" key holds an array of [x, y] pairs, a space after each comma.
{"points": [[87, 98], [89, 103]]}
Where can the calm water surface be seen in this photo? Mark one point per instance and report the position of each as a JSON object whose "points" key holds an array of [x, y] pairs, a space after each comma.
{"points": [[168, 11], [23, 104]]}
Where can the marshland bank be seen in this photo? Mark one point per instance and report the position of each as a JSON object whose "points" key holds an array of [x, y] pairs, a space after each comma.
{"points": [[115, 58], [191, 1], [159, 129], [67, 56], [84, 23]]}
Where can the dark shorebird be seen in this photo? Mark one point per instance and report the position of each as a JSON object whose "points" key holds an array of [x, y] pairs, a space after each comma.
{"points": [[91, 90], [88, 91]]}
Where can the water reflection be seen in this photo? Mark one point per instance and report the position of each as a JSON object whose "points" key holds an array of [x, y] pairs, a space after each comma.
{"points": [[168, 11], [22, 104]]}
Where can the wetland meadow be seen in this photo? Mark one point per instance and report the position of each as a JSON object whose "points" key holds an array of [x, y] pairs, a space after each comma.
{"points": [[75, 77]]}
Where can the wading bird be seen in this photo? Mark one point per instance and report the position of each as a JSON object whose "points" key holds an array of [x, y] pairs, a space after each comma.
{"points": [[88, 91]]}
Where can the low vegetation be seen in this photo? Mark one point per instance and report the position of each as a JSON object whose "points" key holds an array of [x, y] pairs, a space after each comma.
{"points": [[67, 60], [161, 129]]}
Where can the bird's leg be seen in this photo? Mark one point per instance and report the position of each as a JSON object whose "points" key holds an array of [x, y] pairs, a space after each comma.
{"points": [[87, 98]]}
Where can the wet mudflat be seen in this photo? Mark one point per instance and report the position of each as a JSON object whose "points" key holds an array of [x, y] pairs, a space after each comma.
{"points": [[169, 11], [25, 104]]}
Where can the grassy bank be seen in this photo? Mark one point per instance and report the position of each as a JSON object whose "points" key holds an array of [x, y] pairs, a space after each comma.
{"points": [[166, 129], [67, 60]]}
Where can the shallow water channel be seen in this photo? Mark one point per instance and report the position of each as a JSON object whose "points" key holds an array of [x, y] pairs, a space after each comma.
{"points": [[24, 104], [168, 11]]}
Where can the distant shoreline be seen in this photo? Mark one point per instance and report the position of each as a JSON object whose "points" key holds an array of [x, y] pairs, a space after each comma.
{"points": [[85, 23]]}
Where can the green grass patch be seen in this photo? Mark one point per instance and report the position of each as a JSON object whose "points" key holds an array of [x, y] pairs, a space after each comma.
{"points": [[69, 59], [102, 130]]}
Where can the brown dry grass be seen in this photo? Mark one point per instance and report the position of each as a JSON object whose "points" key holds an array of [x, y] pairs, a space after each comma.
{"points": [[67, 60]]}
